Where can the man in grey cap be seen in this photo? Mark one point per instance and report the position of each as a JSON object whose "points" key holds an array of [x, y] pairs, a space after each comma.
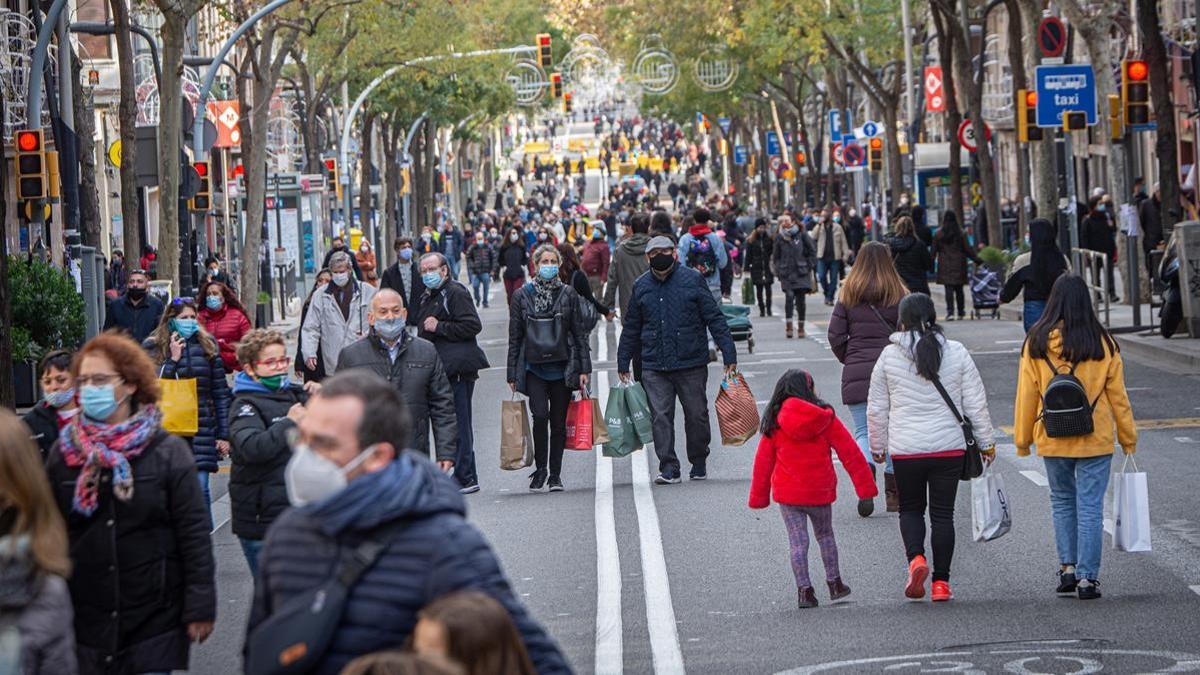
{"points": [[666, 322]]}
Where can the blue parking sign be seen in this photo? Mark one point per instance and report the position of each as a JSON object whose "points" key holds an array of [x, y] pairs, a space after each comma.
{"points": [[1067, 88], [740, 154], [773, 143]]}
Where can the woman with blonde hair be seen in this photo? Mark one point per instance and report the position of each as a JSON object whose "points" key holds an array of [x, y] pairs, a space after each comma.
{"points": [[143, 584], [862, 324], [33, 561]]}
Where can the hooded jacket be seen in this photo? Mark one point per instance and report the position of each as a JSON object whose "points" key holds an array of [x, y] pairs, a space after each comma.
{"points": [[1104, 381], [794, 259], [39, 607], [794, 464], [912, 261], [906, 416], [628, 263], [434, 552]]}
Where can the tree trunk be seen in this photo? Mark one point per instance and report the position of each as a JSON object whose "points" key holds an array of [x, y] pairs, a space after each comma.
{"points": [[431, 174], [254, 125], [364, 193], [1016, 64], [953, 111], [85, 138], [170, 110], [1164, 113], [1043, 174], [127, 115], [7, 394]]}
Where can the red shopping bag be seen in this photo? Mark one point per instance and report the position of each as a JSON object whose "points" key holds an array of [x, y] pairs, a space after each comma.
{"points": [[579, 424], [737, 413]]}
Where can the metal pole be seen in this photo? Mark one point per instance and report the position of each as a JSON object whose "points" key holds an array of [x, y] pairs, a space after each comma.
{"points": [[97, 28], [909, 98], [33, 107], [1072, 201], [69, 168]]}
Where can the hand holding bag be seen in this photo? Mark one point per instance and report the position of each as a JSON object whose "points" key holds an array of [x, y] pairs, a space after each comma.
{"points": [[972, 457], [579, 423], [638, 405], [1131, 509], [516, 437], [737, 413], [622, 438], [990, 515], [180, 405]]}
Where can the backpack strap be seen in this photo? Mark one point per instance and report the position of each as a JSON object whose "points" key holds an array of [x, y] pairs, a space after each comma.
{"points": [[361, 558]]}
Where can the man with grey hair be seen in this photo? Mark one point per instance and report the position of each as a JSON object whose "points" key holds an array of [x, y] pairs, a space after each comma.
{"points": [[337, 315]]}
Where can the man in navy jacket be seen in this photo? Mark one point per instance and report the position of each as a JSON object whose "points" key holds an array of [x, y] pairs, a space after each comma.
{"points": [[669, 314], [136, 311]]}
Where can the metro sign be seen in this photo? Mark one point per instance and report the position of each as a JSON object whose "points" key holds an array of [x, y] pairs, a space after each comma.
{"points": [[935, 93]]}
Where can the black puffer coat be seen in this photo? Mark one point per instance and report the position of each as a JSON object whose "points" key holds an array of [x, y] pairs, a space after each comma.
{"points": [[259, 451], [757, 260], [42, 421], [913, 262], [579, 359], [212, 391], [143, 569]]}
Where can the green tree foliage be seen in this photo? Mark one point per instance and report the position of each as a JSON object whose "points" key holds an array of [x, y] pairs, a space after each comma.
{"points": [[47, 312]]}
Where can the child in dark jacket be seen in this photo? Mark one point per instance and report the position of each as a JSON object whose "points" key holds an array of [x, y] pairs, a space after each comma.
{"points": [[795, 466]]}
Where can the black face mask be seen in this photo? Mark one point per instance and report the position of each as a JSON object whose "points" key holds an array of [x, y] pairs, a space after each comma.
{"points": [[136, 293], [661, 263]]}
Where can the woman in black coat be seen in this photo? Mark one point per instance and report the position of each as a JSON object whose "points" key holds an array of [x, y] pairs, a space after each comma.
{"points": [[951, 252], [571, 273], [514, 258], [183, 350], [547, 371], [1097, 234], [756, 259], [910, 255], [143, 583]]}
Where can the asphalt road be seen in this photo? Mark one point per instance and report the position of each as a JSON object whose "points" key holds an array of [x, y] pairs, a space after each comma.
{"points": [[632, 577]]}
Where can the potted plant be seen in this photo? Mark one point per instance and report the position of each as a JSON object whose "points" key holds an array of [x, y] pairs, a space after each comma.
{"points": [[262, 310], [47, 313], [993, 258]]}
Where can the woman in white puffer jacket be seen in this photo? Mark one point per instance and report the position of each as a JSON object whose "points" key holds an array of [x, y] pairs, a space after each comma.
{"points": [[908, 419]]}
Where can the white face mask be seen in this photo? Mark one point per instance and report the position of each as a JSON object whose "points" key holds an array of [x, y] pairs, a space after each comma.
{"points": [[341, 278], [312, 478]]}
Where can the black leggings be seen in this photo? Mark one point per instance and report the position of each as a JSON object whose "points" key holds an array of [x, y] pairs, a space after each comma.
{"points": [[763, 292], [796, 298], [548, 402], [954, 293], [937, 476]]}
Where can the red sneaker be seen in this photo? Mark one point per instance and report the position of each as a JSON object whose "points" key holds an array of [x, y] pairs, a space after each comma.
{"points": [[940, 592], [918, 571]]}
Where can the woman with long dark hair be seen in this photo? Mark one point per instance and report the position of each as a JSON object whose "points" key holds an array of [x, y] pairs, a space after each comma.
{"points": [[756, 260], [1035, 279], [910, 255], [571, 273], [1070, 338], [908, 419], [951, 252]]}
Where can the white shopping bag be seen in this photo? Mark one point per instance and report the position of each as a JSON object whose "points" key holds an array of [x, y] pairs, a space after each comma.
{"points": [[1130, 509], [990, 515]]}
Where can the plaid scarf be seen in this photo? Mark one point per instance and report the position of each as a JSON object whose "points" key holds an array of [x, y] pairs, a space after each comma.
{"points": [[96, 446]]}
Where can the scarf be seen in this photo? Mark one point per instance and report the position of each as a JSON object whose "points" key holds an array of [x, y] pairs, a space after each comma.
{"points": [[545, 292], [96, 446], [699, 231]]}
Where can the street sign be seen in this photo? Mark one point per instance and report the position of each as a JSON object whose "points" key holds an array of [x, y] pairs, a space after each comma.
{"points": [[835, 126], [1052, 37], [1063, 88], [835, 150], [114, 153], [773, 143], [966, 135], [776, 163], [870, 129], [935, 92], [226, 116], [740, 154], [853, 154], [724, 123]]}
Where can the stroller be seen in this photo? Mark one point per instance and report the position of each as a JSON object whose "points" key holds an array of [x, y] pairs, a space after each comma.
{"points": [[737, 317], [985, 291]]}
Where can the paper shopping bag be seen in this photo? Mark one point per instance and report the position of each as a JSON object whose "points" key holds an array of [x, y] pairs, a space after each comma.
{"points": [[737, 413], [180, 406], [516, 437], [1131, 510], [639, 412], [622, 439], [990, 515], [579, 424], [599, 426]]}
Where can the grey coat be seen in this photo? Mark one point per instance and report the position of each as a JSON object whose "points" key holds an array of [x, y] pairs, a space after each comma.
{"points": [[628, 263], [325, 327], [39, 606], [794, 260], [418, 374]]}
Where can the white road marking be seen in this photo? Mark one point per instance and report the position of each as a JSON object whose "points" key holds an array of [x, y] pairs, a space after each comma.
{"points": [[1185, 439], [1036, 477], [994, 352], [1108, 526], [220, 512], [1010, 342], [609, 646], [660, 613], [1195, 589]]}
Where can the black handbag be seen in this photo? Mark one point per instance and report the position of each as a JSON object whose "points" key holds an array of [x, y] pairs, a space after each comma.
{"points": [[972, 457], [295, 638], [545, 339]]}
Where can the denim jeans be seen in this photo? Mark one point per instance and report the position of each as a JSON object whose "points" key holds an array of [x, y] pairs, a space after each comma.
{"points": [[464, 460], [858, 412], [476, 281], [690, 386], [1033, 312], [250, 549], [827, 273], [203, 476], [1077, 487]]}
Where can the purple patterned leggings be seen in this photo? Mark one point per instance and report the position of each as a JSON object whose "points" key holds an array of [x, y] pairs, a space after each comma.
{"points": [[795, 518]]}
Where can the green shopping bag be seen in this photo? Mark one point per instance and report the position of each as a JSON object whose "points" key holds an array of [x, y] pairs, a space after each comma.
{"points": [[639, 411], [747, 290], [622, 437]]}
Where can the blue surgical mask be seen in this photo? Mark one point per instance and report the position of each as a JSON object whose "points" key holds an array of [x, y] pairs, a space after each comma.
{"points": [[214, 302], [389, 329], [432, 279], [58, 399], [548, 272], [406, 254], [1100, 208], [98, 402], [185, 327]]}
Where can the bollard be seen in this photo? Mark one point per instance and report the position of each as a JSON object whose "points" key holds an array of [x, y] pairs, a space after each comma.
{"points": [[1188, 238]]}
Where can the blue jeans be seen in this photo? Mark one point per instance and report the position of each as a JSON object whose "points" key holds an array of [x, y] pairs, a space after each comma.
{"points": [[250, 549], [476, 280], [464, 460], [1077, 500], [827, 273], [203, 476], [1033, 312], [858, 412]]}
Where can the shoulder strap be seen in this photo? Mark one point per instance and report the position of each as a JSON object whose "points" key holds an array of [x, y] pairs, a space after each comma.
{"points": [[361, 558], [881, 319], [937, 382]]}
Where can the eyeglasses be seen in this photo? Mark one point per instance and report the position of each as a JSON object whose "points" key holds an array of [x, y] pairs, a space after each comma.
{"points": [[279, 362], [100, 380]]}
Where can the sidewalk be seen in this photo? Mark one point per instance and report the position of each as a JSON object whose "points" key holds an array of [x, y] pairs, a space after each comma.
{"points": [[1180, 351]]}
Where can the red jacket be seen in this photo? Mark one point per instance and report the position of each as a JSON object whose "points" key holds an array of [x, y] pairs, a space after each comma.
{"points": [[227, 326], [596, 258], [795, 465]]}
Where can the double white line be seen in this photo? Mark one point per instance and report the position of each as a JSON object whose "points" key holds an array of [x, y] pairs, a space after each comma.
{"points": [[660, 612]]}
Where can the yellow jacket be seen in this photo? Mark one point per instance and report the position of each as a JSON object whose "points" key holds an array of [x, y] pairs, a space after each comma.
{"points": [[1105, 383]]}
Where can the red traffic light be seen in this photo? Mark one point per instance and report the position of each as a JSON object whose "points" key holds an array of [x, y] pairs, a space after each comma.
{"points": [[556, 77], [239, 170], [543, 39], [1031, 99], [29, 141], [330, 164], [1137, 70], [876, 144], [201, 169]]}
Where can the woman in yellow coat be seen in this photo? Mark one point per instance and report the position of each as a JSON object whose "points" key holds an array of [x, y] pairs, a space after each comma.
{"points": [[1070, 338]]}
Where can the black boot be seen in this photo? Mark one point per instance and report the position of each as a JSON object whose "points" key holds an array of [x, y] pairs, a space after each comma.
{"points": [[806, 598], [837, 589]]}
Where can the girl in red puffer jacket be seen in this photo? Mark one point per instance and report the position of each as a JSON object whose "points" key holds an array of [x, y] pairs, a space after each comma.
{"points": [[794, 464]]}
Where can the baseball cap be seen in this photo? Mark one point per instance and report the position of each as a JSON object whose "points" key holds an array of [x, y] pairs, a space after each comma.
{"points": [[660, 242]]}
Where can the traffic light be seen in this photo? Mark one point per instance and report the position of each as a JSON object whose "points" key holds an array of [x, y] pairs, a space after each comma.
{"points": [[202, 200], [545, 54], [1027, 128], [875, 154], [1135, 91], [53, 178], [1074, 120], [1116, 121], [331, 176], [556, 85], [31, 164], [801, 158], [566, 103]]}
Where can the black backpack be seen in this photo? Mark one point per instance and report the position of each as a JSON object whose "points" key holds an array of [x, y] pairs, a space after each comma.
{"points": [[1066, 411]]}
